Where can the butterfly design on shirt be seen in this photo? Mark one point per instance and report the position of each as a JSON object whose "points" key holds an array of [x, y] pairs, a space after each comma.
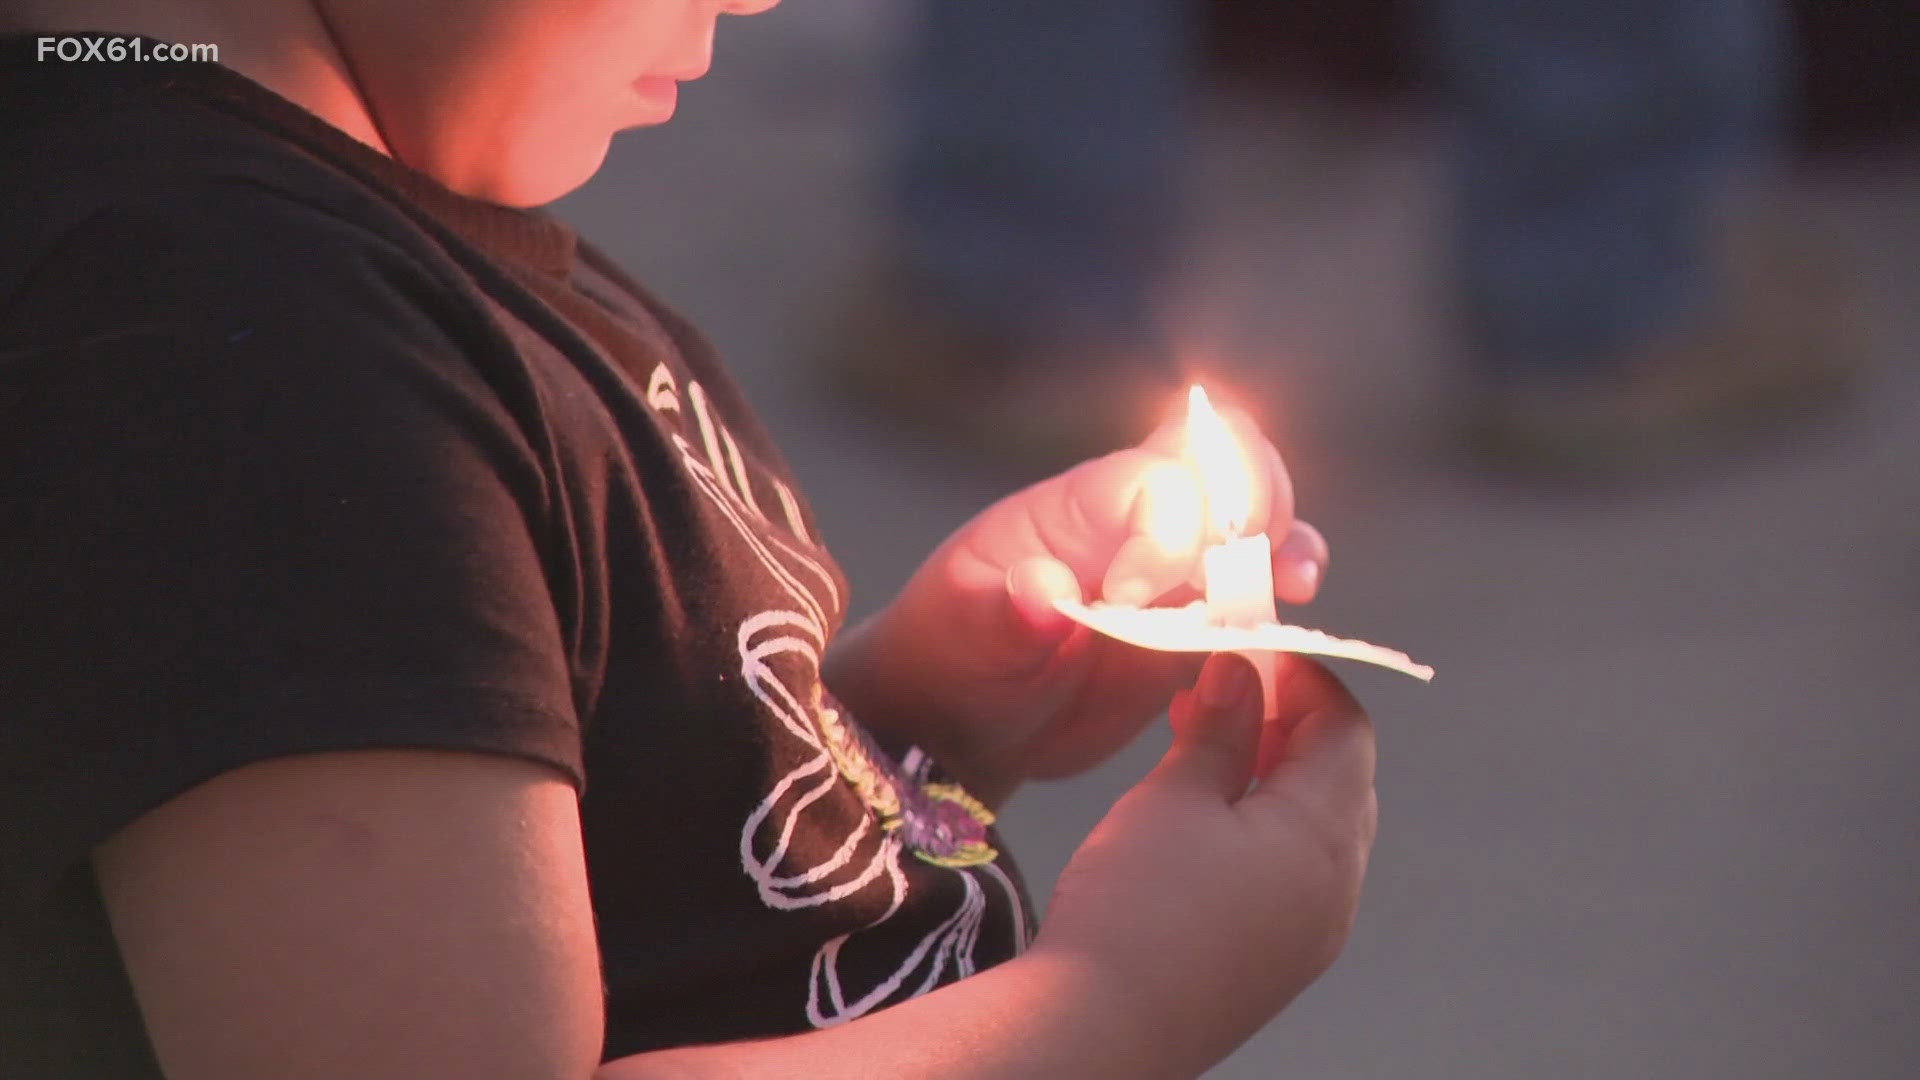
{"points": [[909, 813]]}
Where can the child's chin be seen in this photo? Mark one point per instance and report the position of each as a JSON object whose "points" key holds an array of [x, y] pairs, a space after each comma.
{"points": [[539, 179]]}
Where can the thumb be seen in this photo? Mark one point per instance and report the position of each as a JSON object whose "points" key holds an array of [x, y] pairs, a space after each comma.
{"points": [[1164, 522], [1034, 584], [1216, 731]]}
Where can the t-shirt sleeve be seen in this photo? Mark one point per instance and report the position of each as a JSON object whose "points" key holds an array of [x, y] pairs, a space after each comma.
{"points": [[267, 486]]}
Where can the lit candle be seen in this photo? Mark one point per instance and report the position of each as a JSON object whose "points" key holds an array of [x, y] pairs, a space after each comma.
{"points": [[1237, 572], [1238, 613], [1239, 581]]}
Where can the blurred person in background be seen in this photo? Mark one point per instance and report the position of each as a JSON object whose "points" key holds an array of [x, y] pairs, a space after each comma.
{"points": [[1036, 199], [1630, 290]]}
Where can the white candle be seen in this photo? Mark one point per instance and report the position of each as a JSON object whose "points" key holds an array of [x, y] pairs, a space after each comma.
{"points": [[1237, 572], [1239, 581], [1238, 612]]}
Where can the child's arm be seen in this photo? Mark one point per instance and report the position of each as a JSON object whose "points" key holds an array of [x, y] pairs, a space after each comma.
{"points": [[1187, 920], [369, 913], [424, 914], [1036, 1016]]}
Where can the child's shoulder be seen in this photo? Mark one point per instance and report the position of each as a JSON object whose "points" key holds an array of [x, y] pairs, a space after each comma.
{"points": [[91, 152], [132, 209]]}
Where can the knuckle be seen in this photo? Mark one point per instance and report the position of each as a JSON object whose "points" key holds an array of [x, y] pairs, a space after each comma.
{"points": [[1345, 851], [1370, 820], [1337, 843], [1335, 941]]}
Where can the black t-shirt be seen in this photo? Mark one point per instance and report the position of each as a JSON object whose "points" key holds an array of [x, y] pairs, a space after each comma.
{"points": [[301, 451]]}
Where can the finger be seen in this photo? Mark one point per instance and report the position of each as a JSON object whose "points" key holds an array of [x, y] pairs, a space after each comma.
{"points": [[1180, 711], [1276, 509], [1299, 563], [1327, 759], [1304, 685], [1298, 692], [1034, 587], [1295, 695], [1216, 731], [1328, 765], [1165, 532]]}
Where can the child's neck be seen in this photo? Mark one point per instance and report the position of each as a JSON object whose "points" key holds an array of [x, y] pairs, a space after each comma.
{"points": [[284, 45]]}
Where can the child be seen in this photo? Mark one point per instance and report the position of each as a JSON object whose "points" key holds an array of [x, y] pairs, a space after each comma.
{"points": [[418, 662]]}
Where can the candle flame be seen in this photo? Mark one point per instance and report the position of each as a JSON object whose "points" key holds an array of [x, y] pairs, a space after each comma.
{"points": [[1224, 473]]}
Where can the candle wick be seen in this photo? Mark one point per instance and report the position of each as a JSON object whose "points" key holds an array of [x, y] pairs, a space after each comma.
{"points": [[1230, 531]]}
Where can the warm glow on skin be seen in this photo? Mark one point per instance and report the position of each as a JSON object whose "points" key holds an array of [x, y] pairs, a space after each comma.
{"points": [[516, 101], [509, 101], [1177, 508]]}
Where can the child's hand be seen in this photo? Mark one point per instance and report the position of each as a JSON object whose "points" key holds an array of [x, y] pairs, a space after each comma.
{"points": [[1205, 911], [973, 661]]}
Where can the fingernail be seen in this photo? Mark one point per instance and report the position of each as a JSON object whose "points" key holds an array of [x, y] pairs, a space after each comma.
{"points": [[1130, 592], [1227, 683]]}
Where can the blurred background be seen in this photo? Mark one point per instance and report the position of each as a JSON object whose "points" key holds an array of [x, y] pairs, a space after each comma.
{"points": [[1592, 347]]}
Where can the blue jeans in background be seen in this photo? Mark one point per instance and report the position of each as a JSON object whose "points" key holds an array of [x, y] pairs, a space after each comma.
{"points": [[1597, 144], [1038, 185], [1039, 177]]}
